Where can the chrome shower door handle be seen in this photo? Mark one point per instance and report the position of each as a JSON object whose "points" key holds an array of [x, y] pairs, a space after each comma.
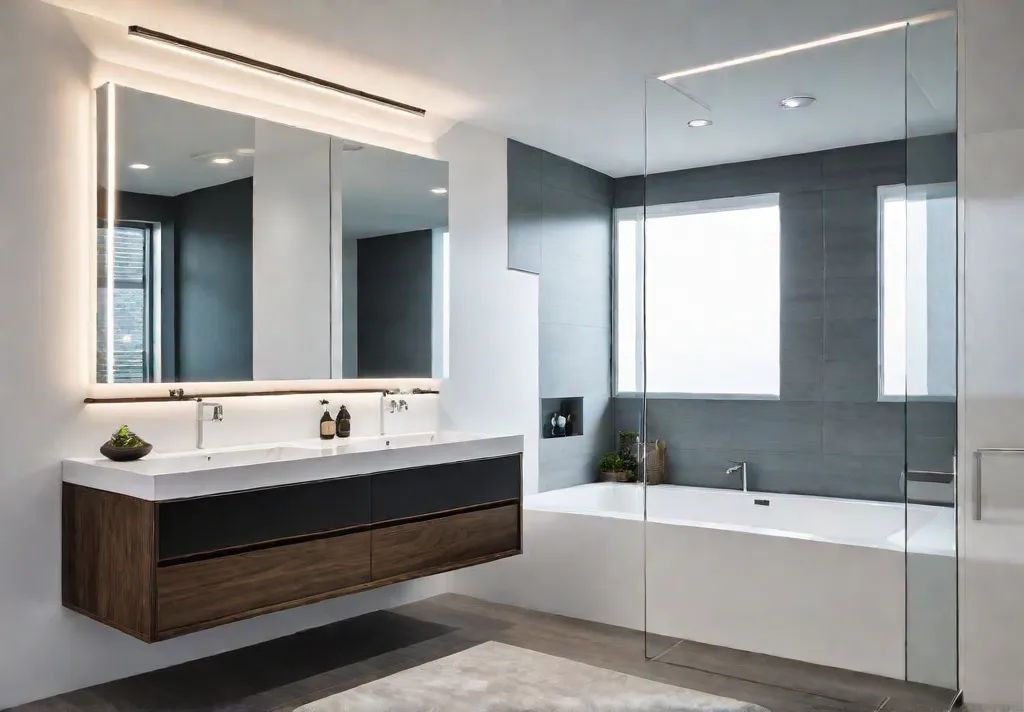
{"points": [[976, 484]]}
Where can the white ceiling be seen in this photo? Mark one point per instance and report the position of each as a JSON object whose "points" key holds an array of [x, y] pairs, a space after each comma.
{"points": [[564, 75]]}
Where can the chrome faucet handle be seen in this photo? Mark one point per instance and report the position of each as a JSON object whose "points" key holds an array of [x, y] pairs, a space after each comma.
{"points": [[402, 405], [393, 406]]}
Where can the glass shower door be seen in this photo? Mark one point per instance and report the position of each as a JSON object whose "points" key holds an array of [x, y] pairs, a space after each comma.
{"points": [[759, 309]]}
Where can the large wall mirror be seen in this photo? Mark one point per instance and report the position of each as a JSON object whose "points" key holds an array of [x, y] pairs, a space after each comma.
{"points": [[244, 249]]}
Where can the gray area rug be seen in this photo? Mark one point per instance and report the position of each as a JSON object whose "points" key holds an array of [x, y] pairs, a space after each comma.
{"points": [[494, 677]]}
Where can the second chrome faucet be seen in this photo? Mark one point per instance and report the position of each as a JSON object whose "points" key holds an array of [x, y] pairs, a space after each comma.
{"points": [[216, 416], [741, 467]]}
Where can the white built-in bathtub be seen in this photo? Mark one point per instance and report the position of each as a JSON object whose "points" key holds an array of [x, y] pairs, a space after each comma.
{"points": [[809, 578]]}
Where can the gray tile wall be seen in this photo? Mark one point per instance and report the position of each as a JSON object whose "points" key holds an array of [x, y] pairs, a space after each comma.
{"points": [[828, 434], [560, 226]]}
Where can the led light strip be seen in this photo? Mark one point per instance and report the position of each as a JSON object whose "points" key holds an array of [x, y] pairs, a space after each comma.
{"points": [[111, 224], [809, 45], [263, 67]]}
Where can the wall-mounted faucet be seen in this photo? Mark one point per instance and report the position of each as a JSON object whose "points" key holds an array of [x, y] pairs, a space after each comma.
{"points": [[215, 417], [393, 406], [741, 467]]}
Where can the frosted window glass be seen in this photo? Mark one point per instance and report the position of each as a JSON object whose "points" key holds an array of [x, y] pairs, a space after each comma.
{"points": [[711, 299]]}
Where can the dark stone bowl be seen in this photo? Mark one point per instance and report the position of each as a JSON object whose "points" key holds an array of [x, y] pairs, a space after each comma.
{"points": [[125, 454]]}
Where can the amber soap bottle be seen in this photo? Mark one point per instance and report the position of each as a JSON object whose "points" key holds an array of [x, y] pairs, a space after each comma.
{"points": [[326, 423]]}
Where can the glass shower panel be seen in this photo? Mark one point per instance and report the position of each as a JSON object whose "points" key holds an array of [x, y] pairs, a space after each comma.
{"points": [[929, 321], [764, 405]]}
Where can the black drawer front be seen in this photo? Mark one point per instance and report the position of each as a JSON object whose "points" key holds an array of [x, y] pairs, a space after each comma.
{"points": [[439, 488], [195, 526]]}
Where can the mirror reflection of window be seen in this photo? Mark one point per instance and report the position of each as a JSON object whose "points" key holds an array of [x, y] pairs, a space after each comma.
{"points": [[135, 287]]}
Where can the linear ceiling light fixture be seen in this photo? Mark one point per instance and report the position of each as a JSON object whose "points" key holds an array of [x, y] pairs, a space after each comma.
{"points": [[240, 60], [808, 45]]}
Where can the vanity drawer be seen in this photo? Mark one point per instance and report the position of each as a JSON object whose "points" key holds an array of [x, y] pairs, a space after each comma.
{"points": [[210, 524], [441, 488], [420, 546], [242, 584]]}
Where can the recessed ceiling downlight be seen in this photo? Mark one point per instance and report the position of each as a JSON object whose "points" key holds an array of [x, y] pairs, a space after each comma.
{"points": [[699, 123], [222, 160], [797, 102], [245, 151], [439, 191], [139, 166]]}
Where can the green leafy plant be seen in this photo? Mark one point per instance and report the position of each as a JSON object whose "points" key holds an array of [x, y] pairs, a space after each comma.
{"points": [[627, 440], [126, 438], [612, 462]]}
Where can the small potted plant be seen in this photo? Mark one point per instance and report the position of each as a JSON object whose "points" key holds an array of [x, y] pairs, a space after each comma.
{"points": [[125, 446], [615, 467]]}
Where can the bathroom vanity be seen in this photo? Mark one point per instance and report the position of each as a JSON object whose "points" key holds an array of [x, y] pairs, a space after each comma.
{"points": [[178, 543]]}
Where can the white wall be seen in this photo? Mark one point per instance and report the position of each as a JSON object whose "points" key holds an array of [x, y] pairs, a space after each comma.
{"points": [[291, 254], [46, 198], [992, 352], [493, 385]]}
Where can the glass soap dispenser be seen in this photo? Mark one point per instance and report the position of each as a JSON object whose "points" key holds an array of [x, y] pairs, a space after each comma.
{"points": [[327, 427], [343, 426]]}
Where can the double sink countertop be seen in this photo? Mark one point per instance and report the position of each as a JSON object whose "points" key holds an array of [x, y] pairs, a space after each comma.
{"points": [[200, 473]]}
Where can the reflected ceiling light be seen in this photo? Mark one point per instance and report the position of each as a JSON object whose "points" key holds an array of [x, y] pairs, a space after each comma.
{"points": [[222, 160], [439, 191], [245, 151], [139, 166], [809, 45], [347, 145], [239, 60], [699, 123], [797, 102]]}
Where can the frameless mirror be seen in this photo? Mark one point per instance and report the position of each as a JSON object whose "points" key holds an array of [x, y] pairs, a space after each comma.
{"points": [[394, 216], [231, 248]]}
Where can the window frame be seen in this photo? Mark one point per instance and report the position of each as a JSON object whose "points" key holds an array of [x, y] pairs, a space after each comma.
{"points": [[640, 215], [151, 287]]}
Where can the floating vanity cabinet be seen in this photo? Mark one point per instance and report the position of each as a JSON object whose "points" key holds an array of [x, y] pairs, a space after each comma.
{"points": [[159, 569]]}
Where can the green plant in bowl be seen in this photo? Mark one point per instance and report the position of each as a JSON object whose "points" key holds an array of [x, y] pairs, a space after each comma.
{"points": [[124, 446]]}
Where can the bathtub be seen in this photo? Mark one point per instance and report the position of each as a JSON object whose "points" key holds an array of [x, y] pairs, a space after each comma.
{"points": [[817, 579]]}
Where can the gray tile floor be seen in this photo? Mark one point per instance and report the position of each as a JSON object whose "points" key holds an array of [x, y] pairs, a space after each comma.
{"points": [[281, 674]]}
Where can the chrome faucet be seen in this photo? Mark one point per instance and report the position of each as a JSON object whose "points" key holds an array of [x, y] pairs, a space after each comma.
{"points": [[216, 416], [741, 467], [393, 406]]}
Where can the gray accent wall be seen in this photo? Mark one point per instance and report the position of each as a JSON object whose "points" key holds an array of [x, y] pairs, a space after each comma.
{"points": [[828, 434], [560, 225], [395, 276]]}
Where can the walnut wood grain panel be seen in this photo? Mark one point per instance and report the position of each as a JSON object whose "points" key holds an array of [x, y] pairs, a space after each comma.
{"points": [[231, 585], [108, 558], [406, 548]]}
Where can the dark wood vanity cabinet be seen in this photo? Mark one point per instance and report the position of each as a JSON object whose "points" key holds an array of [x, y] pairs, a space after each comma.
{"points": [[157, 570]]}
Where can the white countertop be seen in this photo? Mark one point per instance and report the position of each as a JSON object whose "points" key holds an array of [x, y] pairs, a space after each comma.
{"points": [[199, 473]]}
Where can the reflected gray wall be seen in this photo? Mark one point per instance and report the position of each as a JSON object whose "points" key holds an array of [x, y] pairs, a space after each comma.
{"points": [[214, 285], [560, 222], [395, 275], [828, 434]]}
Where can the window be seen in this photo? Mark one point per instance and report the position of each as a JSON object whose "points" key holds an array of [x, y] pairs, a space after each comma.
{"points": [[135, 303], [917, 248], [711, 295]]}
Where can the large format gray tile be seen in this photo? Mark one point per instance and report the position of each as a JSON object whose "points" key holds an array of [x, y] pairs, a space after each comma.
{"points": [[862, 477], [872, 165], [574, 360], [864, 429], [850, 381], [525, 222], [776, 426], [581, 180]]}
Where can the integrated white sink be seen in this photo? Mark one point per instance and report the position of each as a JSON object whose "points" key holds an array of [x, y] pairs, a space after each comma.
{"points": [[196, 473]]}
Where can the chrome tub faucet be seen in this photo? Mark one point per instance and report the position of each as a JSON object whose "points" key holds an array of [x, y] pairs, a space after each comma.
{"points": [[741, 467]]}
